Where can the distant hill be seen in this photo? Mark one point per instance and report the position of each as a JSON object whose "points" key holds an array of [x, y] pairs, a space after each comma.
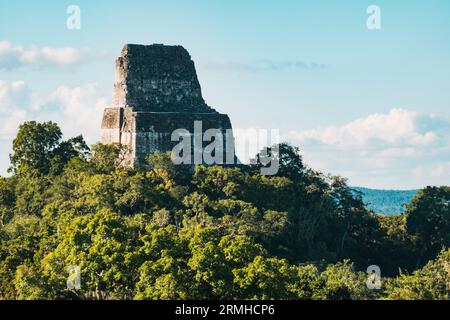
{"points": [[387, 202]]}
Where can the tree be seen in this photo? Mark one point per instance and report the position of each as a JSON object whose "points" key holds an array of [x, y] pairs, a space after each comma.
{"points": [[428, 219], [106, 158], [164, 273], [31, 193], [432, 282], [220, 183], [397, 248], [18, 245], [28, 284], [161, 231], [7, 200], [39, 146], [266, 278], [340, 282], [161, 166], [34, 145], [98, 245], [289, 160], [73, 148], [358, 231]]}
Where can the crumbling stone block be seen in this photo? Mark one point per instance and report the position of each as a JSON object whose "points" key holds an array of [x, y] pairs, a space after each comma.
{"points": [[156, 92]]}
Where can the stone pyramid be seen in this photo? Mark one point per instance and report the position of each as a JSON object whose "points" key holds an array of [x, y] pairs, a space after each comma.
{"points": [[156, 92]]}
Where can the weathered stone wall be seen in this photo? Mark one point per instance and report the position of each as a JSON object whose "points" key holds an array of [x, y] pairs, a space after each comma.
{"points": [[156, 92], [111, 125], [154, 130], [157, 78]]}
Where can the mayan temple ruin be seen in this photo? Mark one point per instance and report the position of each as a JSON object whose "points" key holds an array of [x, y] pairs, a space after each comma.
{"points": [[156, 91]]}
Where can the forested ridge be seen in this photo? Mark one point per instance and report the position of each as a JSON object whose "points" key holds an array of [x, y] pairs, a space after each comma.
{"points": [[387, 202], [163, 231]]}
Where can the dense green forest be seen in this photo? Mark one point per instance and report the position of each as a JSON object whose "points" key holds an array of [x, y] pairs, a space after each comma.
{"points": [[387, 202], [162, 231]]}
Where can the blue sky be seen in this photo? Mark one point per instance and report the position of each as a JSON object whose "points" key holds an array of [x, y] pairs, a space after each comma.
{"points": [[371, 105]]}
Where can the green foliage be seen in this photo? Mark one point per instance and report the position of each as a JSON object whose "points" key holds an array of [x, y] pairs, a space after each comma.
{"points": [[289, 159], [98, 245], [162, 167], [28, 284], [428, 219], [266, 278], [432, 282], [398, 246], [107, 158], [38, 146], [19, 242], [162, 231], [7, 200], [340, 282], [34, 145]]}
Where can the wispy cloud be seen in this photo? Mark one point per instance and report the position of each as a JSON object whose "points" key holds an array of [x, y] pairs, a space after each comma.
{"points": [[398, 127], [77, 110], [264, 65], [398, 149], [16, 56]]}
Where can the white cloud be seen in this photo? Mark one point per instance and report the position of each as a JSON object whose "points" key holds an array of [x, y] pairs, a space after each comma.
{"points": [[399, 126], [399, 149], [16, 56], [77, 110], [400, 152], [441, 169], [13, 99]]}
